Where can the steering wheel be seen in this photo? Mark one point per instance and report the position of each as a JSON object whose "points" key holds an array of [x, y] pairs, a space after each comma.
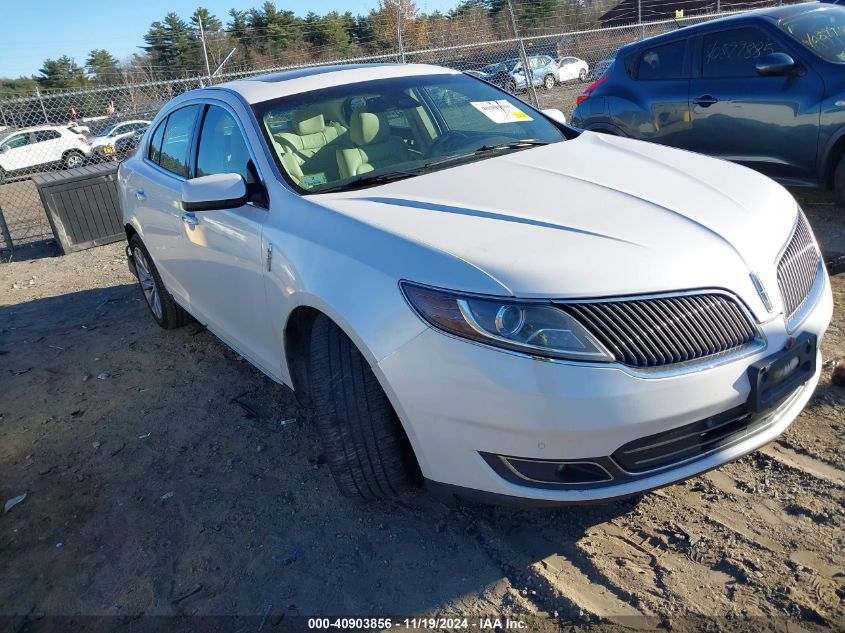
{"points": [[449, 142]]}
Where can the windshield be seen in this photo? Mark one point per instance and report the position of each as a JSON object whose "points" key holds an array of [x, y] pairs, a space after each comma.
{"points": [[822, 31], [356, 135]]}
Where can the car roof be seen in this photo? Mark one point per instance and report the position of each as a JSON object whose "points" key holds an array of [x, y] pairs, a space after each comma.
{"points": [[772, 15], [36, 128], [297, 81]]}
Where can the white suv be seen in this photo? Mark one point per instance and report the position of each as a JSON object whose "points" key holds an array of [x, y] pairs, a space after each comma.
{"points": [[26, 151]]}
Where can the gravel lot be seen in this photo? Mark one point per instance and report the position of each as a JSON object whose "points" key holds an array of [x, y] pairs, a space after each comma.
{"points": [[165, 476]]}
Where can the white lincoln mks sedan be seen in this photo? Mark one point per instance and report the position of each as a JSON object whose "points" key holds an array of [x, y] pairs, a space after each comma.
{"points": [[464, 290]]}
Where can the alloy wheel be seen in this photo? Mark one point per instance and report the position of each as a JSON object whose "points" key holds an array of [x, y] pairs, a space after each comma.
{"points": [[148, 284]]}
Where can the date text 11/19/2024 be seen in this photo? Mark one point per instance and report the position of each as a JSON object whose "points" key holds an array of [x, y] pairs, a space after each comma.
{"points": [[478, 623]]}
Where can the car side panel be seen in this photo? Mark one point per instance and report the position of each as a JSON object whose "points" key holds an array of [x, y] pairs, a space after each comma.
{"points": [[152, 196], [831, 119], [767, 123]]}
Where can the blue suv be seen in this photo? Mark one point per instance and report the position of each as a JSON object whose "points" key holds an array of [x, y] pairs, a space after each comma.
{"points": [[765, 89]]}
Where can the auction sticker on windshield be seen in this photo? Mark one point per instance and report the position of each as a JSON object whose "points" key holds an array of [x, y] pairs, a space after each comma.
{"points": [[501, 111]]}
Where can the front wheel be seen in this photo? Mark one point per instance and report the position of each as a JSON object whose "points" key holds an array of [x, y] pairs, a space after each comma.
{"points": [[839, 180], [2, 176], [510, 87], [582, 75], [364, 443], [548, 82], [73, 160], [167, 313]]}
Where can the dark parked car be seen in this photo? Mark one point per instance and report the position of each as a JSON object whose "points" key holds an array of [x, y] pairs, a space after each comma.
{"points": [[124, 147], [764, 89]]}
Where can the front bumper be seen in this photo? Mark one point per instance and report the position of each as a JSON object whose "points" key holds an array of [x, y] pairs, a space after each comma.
{"points": [[459, 401]]}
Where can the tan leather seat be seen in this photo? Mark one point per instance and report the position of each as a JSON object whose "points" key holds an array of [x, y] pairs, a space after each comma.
{"points": [[305, 153], [374, 147]]}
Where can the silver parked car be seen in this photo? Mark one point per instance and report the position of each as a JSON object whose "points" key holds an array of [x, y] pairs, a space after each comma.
{"points": [[510, 75]]}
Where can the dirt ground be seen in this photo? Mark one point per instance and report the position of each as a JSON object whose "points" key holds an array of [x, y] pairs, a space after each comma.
{"points": [[164, 476]]}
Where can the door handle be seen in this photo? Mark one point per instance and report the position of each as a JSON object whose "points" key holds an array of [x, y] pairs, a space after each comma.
{"points": [[190, 219], [705, 101], [139, 194]]}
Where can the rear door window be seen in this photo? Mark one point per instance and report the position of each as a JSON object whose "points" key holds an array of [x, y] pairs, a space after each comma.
{"points": [[46, 135], [734, 53], [662, 62]]}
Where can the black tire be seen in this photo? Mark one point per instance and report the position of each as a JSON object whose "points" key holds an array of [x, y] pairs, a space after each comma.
{"points": [[171, 315], [839, 180], [73, 159], [583, 74], [549, 82], [510, 87], [365, 446], [2, 176]]}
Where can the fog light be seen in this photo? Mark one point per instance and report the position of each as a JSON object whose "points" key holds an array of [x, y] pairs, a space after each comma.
{"points": [[548, 473]]}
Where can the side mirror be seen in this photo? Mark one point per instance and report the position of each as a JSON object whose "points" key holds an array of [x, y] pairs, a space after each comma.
{"points": [[555, 115], [775, 64], [214, 193], [4, 149]]}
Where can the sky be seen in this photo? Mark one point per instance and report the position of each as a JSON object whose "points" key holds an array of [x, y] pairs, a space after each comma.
{"points": [[34, 30]]}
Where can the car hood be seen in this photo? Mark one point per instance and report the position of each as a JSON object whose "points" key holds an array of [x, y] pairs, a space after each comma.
{"points": [[593, 216]]}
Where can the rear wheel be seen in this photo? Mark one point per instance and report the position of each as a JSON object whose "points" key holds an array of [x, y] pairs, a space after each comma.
{"points": [[167, 313], [2, 176], [364, 443], [510, 86], [582, 74], [549, 82], [839, 180]]}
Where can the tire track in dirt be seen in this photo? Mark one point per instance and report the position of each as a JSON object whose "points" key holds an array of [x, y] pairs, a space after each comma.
{"points": [[804, 464], [557, 585]]}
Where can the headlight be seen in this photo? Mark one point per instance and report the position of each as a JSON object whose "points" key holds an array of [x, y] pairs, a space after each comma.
{"points": [[536, 328]]}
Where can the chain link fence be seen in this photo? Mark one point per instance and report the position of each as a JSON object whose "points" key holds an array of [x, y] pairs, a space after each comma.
{"points": [[60, 130]]}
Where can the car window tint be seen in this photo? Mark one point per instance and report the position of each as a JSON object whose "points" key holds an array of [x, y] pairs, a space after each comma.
{"points": [[177, 139], [155, 142], [821, 31], [222, 149], [460, 114], [333, 138], [734, 53], [17, 141], [663, 62], [46, 135]]}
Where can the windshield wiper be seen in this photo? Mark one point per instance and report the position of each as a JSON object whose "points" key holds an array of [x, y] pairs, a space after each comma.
{"points": [[527, 142], [481, 150], [379, 179], [365, 181]]}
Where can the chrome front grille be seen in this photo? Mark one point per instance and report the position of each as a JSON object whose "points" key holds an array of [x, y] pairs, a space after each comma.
{"points": [[659, 331], [798, 267]]}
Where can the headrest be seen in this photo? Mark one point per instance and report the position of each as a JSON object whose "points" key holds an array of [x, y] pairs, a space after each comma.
{"points": [[308, 120], [366, 128]]}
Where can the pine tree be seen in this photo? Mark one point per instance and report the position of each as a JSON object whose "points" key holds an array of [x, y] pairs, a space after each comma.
{"points": [[102, 67], [63, 72]]}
